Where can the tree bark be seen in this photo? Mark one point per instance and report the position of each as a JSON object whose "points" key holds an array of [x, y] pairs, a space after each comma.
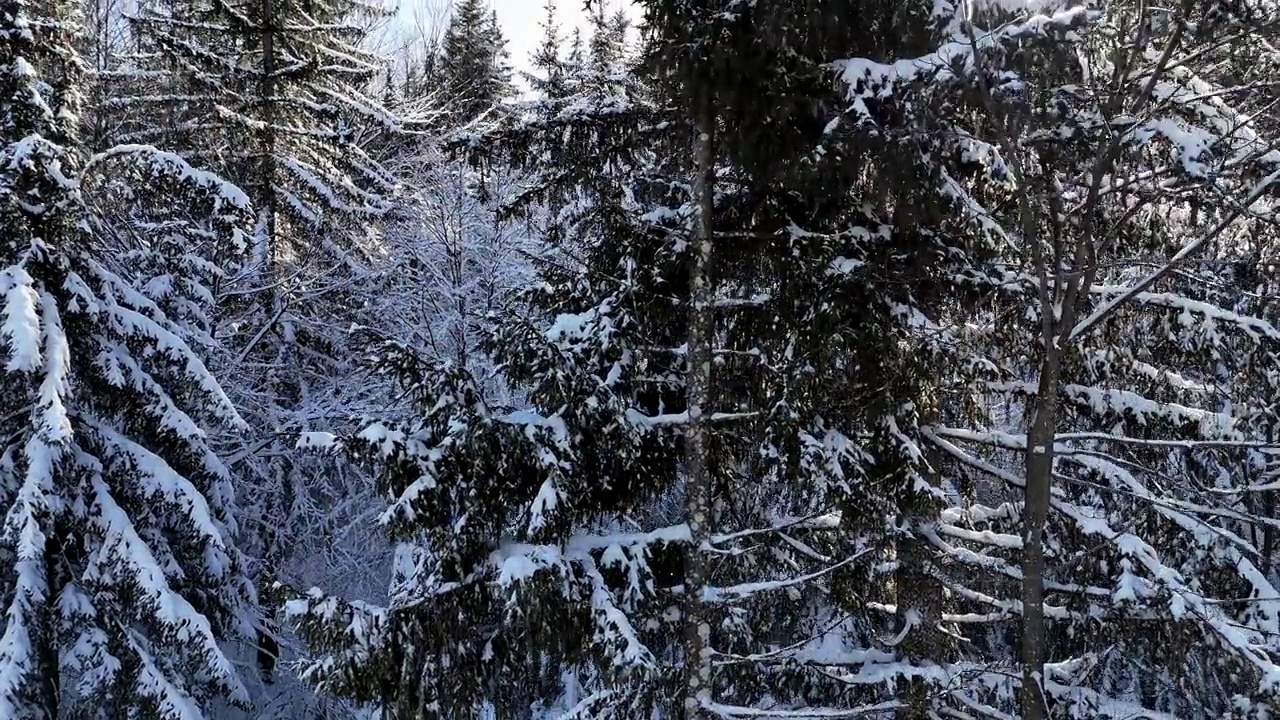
{"points": [[267, 96], [1269, 509], [46, 646], [1035, 516], [697, 628], [919, 593], [273, 307]]}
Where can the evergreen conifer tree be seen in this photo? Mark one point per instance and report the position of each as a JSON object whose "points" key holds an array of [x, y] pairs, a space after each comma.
{"points": [[576, 57], [290, 138], [275, 95], [1076, 521], [473, 62], [929, 393], [119, 571], [603, 47], [669, 208], [548, 67]]}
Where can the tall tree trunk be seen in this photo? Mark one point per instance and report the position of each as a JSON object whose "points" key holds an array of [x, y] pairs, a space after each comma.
{"points": [[1270, 466], [1035, 516], [697, 629], [919, 592], [46, 646], [267, 96], [1270, 470], [268, 647]]}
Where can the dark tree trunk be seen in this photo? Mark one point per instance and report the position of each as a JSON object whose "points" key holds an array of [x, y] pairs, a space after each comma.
{"points": [[697, 628]]}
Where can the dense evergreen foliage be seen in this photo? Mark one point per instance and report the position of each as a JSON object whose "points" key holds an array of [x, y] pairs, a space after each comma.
{"points": [[720, 360], [473, 70], [120, 568], [779, 338]]}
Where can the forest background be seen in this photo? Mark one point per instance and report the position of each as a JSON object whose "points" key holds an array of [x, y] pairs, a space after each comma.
{"points": [[803, 359]]}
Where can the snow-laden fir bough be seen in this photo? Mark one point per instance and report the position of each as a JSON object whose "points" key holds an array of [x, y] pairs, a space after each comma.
{"points": [[119, 572]]}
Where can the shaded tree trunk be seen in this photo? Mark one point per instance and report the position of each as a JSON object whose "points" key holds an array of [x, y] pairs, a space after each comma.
{"points": [[1035, 516], [919, 592], [46, 646], [697, 629], [268, 648]]}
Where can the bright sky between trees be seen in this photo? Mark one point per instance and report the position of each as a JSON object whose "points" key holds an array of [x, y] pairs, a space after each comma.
{"points": [[520, 20]]}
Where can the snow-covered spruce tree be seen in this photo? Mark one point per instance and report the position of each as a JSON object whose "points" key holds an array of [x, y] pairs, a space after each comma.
{"points": [[406, 677], [607, 43], [556, 539], [575, 57], [274, 94], [547, 72], [120, 572], [1119, 371], [277, 95], [473, 62], [602, 60]]}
